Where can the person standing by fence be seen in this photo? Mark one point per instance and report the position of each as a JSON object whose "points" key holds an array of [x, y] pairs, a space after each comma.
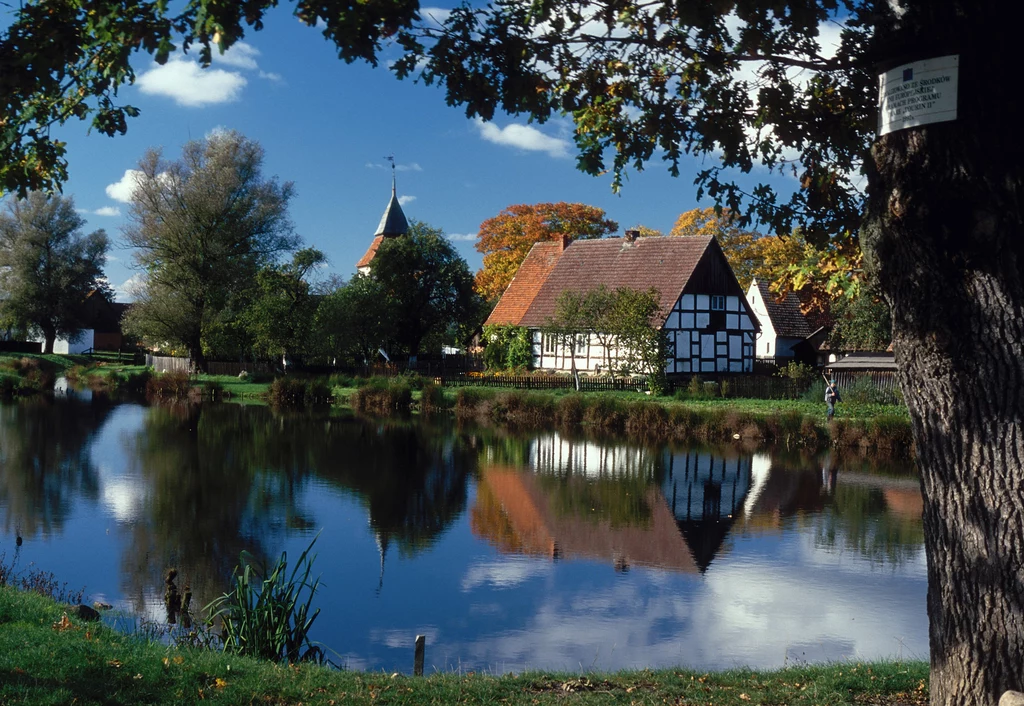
{"points": [[831, 397]]}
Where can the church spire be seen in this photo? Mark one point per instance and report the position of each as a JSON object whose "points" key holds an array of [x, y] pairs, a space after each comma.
{"points": [[393, 222]]}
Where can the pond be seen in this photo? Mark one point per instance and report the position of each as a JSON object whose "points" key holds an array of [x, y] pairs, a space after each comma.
{"points": [[508, 551]]}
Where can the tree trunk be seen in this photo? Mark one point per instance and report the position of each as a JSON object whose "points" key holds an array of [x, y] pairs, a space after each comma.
{"points": [[49, 337], [945, 239], [195, 354]]}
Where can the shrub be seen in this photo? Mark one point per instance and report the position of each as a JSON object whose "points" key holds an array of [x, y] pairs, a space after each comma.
{"points": [[604, 412], [341, 380], [380, 396], [432, 399], [318, 391], [287, 392], [646, 420], [569, 410], [170, 385], [266, 614]]}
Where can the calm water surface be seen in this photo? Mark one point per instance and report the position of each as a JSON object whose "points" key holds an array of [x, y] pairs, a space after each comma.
{"points": [[509, 552]]}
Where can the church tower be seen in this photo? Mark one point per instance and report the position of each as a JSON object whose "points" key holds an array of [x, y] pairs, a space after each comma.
{"points": [[392, 225]]}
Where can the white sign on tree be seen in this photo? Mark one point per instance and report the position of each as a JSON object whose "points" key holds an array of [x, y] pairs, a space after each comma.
{"points": [[917, 94]]}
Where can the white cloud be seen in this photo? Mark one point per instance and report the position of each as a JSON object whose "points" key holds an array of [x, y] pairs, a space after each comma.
{"points": [[411, 167], [122, 190], [127, 290], [188, 84], [524, 137], [435, 16], [270, 76], [403, 200], [102, 211], [240, 56], [463, 236]]}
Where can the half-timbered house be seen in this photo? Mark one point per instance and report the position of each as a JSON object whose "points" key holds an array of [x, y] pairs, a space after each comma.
{"points": [[702, 307], [783, 325]]}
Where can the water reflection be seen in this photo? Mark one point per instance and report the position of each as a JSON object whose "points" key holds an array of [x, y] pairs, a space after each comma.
{"points": [[45, 462], [509, 551]]}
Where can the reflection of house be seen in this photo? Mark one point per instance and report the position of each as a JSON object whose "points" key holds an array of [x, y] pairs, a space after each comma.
{"points": [[783, 325], [392, 225], [702, 306], [705, 493], [518, 512], [554, 453]]}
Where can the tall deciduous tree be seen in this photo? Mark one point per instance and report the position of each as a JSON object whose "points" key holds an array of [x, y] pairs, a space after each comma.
{"points": [[790, 85], [506, 239], [280, 317], [355, 320], [427, 282], [202, 227], [47, 266]]}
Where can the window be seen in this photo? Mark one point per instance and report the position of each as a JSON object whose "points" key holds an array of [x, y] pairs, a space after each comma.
{"points": [[717, 302], [549, 344]]}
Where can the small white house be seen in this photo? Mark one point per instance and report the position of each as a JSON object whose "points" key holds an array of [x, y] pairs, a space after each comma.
{"points": [[783, 325], [703, 308]]}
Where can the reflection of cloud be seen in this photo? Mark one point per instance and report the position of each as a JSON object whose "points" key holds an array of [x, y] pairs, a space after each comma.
{"points": [[504, 573], [797, 611], [401, 639]]}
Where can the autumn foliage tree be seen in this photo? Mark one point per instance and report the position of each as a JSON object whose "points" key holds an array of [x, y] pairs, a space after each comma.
{"points": [[506, 239]]}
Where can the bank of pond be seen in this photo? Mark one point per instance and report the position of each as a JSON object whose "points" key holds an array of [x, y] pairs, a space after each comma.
{"points": [[695, 413], [507, 549], [48, 658]]}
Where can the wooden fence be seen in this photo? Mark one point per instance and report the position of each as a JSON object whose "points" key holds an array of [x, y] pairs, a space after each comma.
{"points": [[166, 364], [544, 382]]}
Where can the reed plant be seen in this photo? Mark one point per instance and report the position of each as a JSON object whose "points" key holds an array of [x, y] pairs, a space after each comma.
{"points": [[383, 396], [267, 613]]}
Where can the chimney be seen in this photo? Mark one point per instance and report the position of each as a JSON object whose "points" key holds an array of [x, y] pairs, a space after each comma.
{"points": [[632, 235], [565, 240]]}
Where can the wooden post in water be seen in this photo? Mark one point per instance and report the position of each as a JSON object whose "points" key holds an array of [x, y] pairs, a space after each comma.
{"points": [[421, 643]]}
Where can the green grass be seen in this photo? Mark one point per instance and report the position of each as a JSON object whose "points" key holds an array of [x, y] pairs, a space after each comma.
{"points": [[45, 662]]}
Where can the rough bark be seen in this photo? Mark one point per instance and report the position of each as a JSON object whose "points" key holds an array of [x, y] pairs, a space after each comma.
{"points": [[945, 239]]}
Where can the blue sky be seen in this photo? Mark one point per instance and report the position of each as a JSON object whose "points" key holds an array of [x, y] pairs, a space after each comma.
{"points": [[328, 126]]}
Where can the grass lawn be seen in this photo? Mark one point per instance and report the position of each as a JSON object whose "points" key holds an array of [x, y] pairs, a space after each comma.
{"points": [[45, 659]]}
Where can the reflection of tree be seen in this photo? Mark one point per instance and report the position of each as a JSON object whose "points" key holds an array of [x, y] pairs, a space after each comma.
{"points": [[859, 519], [220, 478], [223, 478], [411, 479], [45, 461]]}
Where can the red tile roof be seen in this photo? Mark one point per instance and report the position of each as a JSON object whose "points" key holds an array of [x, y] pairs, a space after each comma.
{"points": [[786, 317], [664, 263], [527, 282]]}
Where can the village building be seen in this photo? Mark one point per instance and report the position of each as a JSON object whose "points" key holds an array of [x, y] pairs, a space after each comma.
{"points": [[702, 308], [101, 327], [783, 325], [393, 224]]}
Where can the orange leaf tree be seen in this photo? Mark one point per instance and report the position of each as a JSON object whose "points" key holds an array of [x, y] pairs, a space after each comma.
{"points": [[506, 239]]}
